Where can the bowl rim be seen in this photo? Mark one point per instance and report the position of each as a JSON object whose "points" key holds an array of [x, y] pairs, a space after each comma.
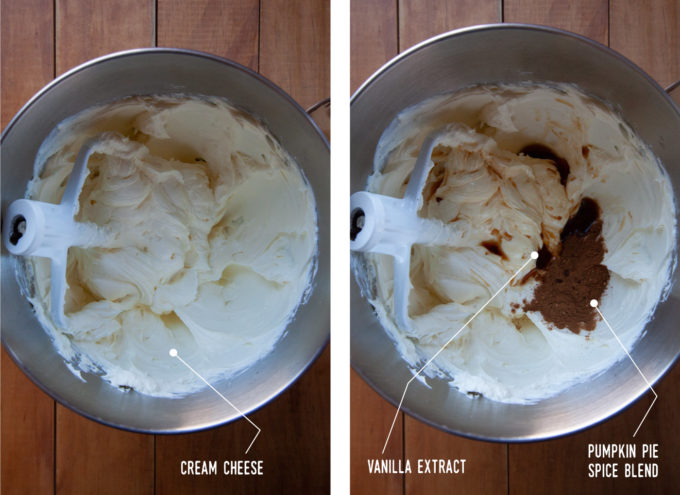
{"points": [[186, 52], [162, 50], [511, 26], [389, 65]]}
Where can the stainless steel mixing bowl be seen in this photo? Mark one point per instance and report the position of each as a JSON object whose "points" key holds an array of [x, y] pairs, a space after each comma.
{"points": [[511, 54], [164, 71]]}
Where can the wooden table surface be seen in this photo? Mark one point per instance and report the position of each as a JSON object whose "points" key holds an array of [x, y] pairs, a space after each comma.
{"points": [[46, 448], [649, 34]]}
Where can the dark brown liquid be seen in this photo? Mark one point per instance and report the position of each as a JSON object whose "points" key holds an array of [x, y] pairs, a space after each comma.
{"points": [[580, 223], [542, 152], [494, 247], [544, 257]]}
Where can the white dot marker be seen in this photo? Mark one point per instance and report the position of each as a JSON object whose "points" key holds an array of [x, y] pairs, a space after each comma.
{"points": [[173, 352], [593, 303], [534, 255]]}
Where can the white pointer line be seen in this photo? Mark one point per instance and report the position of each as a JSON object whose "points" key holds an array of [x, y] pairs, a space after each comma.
{"points": [[594, 304], [173, 353], [534, 255]]}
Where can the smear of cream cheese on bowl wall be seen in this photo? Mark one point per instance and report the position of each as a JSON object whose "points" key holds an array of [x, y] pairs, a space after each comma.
{"points": [[519, 163], [212, 247]]}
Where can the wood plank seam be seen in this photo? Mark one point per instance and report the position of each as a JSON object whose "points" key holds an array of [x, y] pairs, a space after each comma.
{"points": [[259, 34], [54, 444], [609, 23], [507, 462], [403, 452], [155, 23], [54, 39], [398, 40]]}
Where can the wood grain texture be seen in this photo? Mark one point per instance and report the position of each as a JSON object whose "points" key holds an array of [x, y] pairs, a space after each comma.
{"points": [[91, 458], [27, 41], [26, 414], [226, 28], [371, 418], [422, 19], [27, 434], [373, 37], [88, 29], [649, 34], [485, 462], [561, 466], [294, 445], [586, 17], [295, 47]]}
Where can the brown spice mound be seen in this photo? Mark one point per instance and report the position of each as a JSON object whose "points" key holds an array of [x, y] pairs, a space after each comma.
{"points": [[570, 280]]}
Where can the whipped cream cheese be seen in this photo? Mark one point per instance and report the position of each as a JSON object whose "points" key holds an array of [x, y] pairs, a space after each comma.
{"points": [[211, 241], [506, 204]]}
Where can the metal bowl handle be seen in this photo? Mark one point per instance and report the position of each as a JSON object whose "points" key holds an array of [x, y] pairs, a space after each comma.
{"points": [[321, 113], [674, 91]]}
